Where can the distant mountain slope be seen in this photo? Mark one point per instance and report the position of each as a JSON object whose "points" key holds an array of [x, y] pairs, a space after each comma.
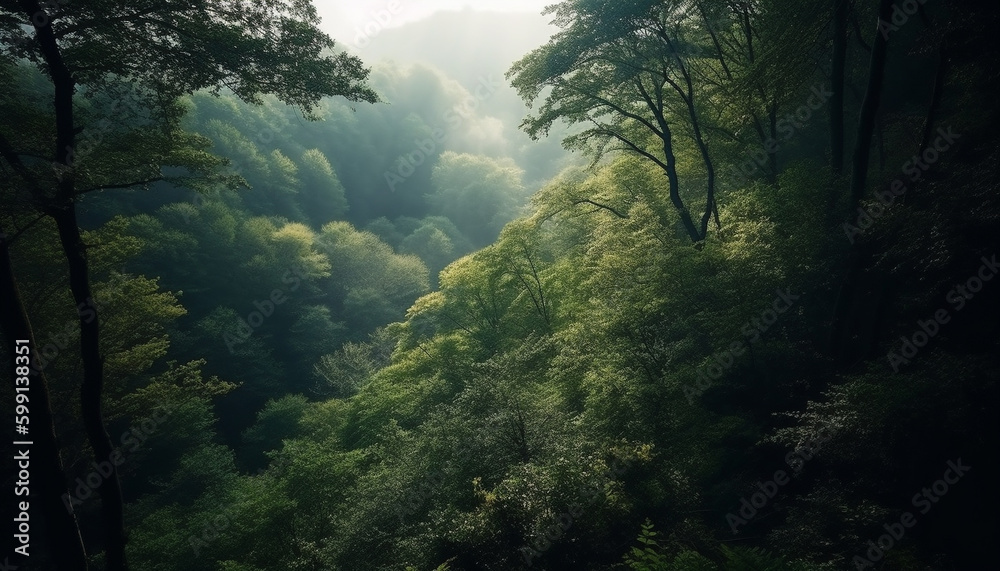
{"points": [[476, 49]]}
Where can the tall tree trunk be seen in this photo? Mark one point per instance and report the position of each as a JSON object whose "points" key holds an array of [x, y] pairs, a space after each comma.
{"points": [[675, 195], [936, 91], [757, 123], [710, 170], [62, 532], [63, 210], [844, 347], [687, 95], [839, 63], [112, 506], [706, 156], [870, 104]]}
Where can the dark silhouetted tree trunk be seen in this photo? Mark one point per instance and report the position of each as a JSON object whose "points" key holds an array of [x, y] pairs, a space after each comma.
{"points": [[64, 213], [839, 63], [61, 530], [92, 388], [870, 104], [674, 188]]}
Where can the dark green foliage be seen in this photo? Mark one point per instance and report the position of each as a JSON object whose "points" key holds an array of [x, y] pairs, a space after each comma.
{"points": [[433, 376]]}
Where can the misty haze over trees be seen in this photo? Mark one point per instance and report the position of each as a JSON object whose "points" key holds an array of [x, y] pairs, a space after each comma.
{"points": [[651, 285]]}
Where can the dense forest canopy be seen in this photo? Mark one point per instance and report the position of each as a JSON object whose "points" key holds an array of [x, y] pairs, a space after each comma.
{"points": [[662, 285]]}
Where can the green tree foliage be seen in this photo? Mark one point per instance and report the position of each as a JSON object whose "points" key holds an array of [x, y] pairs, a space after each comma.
{"points": [[624, 70], [279, 418], [377, 284], [147, 37], [479, 195], [582, 388], [343, 373], [127, 53], [327, 200], [288, 294], [651, 557]]}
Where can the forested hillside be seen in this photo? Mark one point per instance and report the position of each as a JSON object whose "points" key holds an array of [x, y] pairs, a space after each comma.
{"points": [[271, 304]]}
